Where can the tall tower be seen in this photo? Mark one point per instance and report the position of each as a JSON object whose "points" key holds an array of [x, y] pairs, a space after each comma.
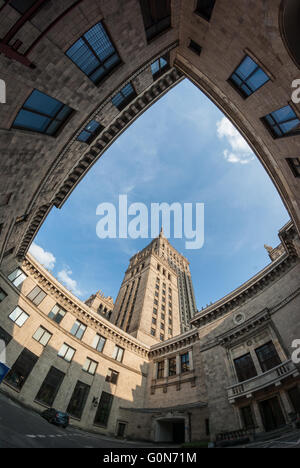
{"points": [[155, 299]]}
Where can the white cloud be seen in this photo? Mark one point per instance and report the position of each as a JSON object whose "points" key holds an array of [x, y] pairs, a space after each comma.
{"points": [[46, 259], [65, 277], [240, 152]]}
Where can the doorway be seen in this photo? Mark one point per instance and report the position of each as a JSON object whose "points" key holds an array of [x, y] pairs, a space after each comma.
{"points": [[169, 430], [272, 414]]}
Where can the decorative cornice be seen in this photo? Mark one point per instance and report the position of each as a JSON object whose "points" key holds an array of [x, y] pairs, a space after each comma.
{"points": [[237, 332], [245, 292], [174, 344]]}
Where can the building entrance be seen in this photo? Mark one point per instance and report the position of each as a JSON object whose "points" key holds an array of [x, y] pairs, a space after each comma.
{"points": [[272, 414]]}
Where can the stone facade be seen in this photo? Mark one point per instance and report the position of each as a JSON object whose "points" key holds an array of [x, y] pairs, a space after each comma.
{"points": [[187, 387], [39, 172]]}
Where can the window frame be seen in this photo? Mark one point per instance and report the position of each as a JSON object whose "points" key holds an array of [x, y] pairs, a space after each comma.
{"points": [[94, 53], [34, 298], [295, 168], [68, 348], [203, 15], [44, 332], [21, 314], [126, 100], [156, 29], [52, 119], [238, 88], [270, 127]]}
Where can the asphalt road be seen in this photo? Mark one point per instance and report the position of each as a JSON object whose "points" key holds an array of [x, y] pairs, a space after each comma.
{"points": [[23, 428]]}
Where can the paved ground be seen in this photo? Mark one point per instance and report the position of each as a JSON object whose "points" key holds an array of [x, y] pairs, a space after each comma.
{"points": [[22, 428]]}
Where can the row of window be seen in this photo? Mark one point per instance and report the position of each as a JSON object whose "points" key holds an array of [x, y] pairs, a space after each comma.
{"points": [[172, 366], [49, 389], [37, 295], [268, 359], [96, 56]]}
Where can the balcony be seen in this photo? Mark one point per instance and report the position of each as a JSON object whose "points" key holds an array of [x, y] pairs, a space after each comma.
{"points": [[271, 377]]}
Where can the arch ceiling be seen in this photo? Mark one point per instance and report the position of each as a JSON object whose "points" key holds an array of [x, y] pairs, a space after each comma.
{"points": [[98, 63]]}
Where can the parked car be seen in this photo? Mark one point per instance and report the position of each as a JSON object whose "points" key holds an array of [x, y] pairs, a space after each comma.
{"points": [[56, 417]]}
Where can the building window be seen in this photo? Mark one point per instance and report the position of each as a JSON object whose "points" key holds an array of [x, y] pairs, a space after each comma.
{"points": [[159, 67], [160, 369], [118, 354], [170, 331], [37, 295], [21, 369], [153, 332], [121, 430], [90, 366], [155, 311], [268, 356], [42, 336], [155, 302], [294, 164], [172, 367], [282, 122], [195, 47], [4, 336], [94, 54], [185, 362], [19, 317], [90, 132], [112, 376], [66, 352], [50, 386], [17, 277], [162, 337], [245, 368], [78, 400], [162, 326], [154, 321], [99, 343], [205, 8], [43, 114], [78, 329], [22, 6], [57, 314], [247, 417], [124, 97], [104, 408], [248, 77], [3, 295], [156, 294], [156, 16]]}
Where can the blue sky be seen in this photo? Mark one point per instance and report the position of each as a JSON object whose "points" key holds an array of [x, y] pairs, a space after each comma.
{"points": [[181, 150]]}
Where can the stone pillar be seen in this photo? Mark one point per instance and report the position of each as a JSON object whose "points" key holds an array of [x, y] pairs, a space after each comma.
{"points": [[178, 364], [257, 416], [286, 405], [166, 368], [191, 360], [155, 370]]}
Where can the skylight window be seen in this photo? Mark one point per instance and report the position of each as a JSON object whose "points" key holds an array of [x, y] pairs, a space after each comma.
{"points": [[90, 132], [94, 54], [124, 97], [283, 122], [156, 16], [205, 8], [248, 77], [159, 67], [43, 114]]}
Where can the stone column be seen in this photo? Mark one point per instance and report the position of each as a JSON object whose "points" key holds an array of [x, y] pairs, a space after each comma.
{"points": [[286, 405], [191, 360], [257, 416], [178, 364], [166, 368], [155, 370]]}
